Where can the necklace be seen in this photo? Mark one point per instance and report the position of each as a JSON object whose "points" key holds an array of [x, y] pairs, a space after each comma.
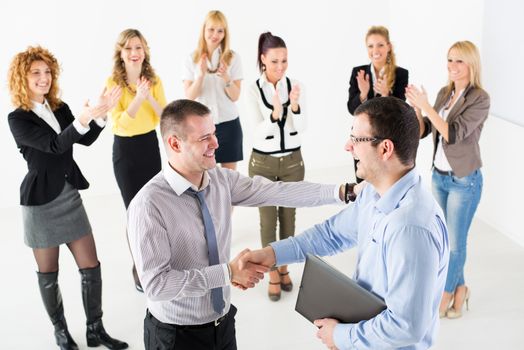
{"points": [[210, 68]]}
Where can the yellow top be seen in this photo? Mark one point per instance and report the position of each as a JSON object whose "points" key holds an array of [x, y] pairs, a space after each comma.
{"points": [[145, 119]]}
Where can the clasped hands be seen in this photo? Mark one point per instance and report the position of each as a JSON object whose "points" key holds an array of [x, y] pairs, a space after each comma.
{"points": [[265, 258], [294, 97]]}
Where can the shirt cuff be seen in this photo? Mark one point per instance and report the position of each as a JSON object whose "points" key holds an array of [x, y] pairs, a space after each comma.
{"points": [[284, 252], [216, 276], [101, 122], [336, 194], [82, 130], [226, 275], [341, 336], [271, 118]]}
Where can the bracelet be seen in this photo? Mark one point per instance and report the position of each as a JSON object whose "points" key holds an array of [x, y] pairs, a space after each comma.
{"points": [[228, 84], [349, 194]]}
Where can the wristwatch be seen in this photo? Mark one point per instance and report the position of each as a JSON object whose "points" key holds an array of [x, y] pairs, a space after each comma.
{"points": [[349, 194], [228, 84]]}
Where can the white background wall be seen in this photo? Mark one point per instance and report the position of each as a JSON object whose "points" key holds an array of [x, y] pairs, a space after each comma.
{"points": [[325, 40]]}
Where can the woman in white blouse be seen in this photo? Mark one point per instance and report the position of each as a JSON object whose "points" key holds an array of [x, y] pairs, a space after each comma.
{"points": [[212, 76], [275, 103]]}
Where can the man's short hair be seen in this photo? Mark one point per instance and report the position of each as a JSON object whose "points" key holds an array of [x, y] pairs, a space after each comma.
{"points": [[174, 115], [393, 119]]}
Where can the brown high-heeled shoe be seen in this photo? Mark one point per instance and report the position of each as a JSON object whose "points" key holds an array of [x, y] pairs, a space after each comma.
{"points": [[287, 287], [457, 312], [274, 296]]}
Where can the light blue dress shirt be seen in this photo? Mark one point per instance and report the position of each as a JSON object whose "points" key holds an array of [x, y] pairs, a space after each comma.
{"points": [[403, 254]]}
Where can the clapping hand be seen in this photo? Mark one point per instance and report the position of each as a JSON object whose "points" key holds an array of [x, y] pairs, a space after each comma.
{"points": [[381, 86], [294, 96], [277, 107], [106, 102], [416, 97], [143, 87], [363, 84], [202, 65], [222, 71], [246, 274]]}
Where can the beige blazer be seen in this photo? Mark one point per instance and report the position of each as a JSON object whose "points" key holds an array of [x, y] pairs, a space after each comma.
{"points": [[465, 121]]}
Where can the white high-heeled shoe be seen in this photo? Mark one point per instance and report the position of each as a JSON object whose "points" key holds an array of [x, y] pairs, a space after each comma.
{"points": [[456, 313], [442, 313]]}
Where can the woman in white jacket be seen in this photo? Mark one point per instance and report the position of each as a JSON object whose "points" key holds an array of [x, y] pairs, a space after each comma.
{"points": [[275, 103]]}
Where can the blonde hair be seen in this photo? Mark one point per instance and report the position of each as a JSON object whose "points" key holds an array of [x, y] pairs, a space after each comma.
{"points": [[119, 69], [391, 61], [469, 54], [215, 17], [17, 77]]}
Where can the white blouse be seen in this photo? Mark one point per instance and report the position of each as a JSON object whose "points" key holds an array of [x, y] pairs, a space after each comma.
{"points": [[213, 93], [441, 161], [271, 137]]}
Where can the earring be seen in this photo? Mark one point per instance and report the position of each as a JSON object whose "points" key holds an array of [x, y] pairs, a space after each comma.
{"points": [[388, 58]]}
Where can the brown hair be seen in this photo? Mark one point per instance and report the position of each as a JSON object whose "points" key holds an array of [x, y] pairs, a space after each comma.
{"points": [[391, 62], [119, 69], [174, 115], [267, 41], [17, 77], [215, 17]]}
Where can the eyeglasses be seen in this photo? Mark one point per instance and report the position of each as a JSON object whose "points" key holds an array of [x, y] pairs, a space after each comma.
{"points": [[355, 139]]}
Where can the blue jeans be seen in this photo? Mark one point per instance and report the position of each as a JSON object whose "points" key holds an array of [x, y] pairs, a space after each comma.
{"points": [[459, 198]]}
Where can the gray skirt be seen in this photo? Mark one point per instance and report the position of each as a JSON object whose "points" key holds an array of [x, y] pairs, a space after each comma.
{"points": [[62, 220]]}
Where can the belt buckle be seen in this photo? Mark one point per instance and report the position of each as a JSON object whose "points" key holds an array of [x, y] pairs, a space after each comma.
{"points": [[219, 320]]}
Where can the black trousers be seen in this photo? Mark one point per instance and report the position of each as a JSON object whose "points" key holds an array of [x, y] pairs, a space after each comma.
{"points": [[136, 160], [164, 336]]}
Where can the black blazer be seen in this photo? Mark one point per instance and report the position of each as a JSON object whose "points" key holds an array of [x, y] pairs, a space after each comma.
{"points": [[399, 88], [49, 155]]}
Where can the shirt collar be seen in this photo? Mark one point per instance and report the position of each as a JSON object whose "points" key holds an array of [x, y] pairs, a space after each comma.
{"points": [[37, 106], [180, 184], [396, 193], [373, 76], [264, 81]]}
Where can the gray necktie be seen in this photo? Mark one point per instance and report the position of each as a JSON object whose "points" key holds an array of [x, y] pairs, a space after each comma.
{"points": [[216, 293]]}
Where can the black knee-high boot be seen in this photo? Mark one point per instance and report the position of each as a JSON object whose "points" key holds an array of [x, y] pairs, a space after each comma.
{"points": [[92, 299], [52, 298]]}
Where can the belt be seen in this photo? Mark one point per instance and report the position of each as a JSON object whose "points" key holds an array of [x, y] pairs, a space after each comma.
{"points": [[442, 172], [214, 323]]}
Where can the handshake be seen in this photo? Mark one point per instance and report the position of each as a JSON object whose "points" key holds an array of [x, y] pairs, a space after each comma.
{"points": [[248, 267]]}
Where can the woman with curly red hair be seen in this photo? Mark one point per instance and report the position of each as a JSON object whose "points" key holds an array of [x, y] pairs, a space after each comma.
{"points": [[45, 131]]}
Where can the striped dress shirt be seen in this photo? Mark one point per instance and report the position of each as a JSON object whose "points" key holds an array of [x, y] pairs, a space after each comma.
{"points": [[167, 237]]}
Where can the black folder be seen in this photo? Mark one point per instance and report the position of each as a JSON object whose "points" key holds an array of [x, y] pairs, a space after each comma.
{"points": [[327, 292]]}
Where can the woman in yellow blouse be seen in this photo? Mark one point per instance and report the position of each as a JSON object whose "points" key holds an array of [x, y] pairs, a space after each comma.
{"points": [[136, 156]]}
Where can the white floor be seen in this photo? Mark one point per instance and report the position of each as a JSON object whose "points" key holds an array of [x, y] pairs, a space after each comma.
{"points": [[494, 273]]}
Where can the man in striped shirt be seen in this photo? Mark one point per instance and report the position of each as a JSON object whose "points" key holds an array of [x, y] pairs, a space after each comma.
{"points": [[168, 233]]}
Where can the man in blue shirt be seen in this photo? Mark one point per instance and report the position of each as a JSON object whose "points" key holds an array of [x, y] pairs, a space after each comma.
{"points": [[399, 231]]}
